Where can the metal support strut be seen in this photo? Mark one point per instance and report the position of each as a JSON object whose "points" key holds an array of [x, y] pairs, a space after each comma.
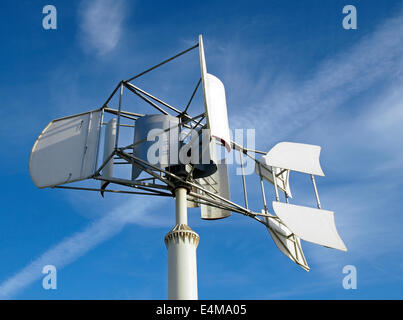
{"points": [[316, 192]]}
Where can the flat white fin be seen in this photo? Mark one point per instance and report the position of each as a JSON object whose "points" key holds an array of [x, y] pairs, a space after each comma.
{"points": [[295, 156], [214, 102], [310, 224], [288, 243], [67, 150], [203, 67]]}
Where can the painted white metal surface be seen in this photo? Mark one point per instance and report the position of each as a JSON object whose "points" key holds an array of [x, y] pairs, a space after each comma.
{"points": [[203, 65], [295, 156], [109, 146], [283, 176], [181, 206], [217, 183], [310, 224], [182, 243], [182, 266], [66, 151], [288, 243], [164, 138], [214, 102]]}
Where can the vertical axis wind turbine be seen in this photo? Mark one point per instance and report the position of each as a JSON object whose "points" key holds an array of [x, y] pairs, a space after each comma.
{"points": [[174, 154]]}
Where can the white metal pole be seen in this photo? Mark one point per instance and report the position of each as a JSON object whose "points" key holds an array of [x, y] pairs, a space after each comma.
{"points": [[181, 206], [181, 243]]}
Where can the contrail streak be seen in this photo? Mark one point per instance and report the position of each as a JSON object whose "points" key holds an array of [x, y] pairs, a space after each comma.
{"points": [[73, 247]]}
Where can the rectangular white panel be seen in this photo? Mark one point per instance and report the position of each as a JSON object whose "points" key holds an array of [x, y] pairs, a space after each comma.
{"points": [[288, 243], [66, 151], [218, 184], [310, 224], [295, 156], [214, 102]]}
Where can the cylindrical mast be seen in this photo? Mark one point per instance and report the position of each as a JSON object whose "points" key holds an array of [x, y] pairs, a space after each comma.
{"points": [[181, 206], [181, 243]]}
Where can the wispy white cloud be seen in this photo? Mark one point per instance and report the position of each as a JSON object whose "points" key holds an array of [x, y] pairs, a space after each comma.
{"points": [[272, 99], [75, 246], [101, 24], [364, 201]]}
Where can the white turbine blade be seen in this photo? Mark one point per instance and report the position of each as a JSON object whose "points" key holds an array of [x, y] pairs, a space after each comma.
{"points": [[295, 156], [310, 224], [216, 109], [282, 179], [288, 243], [218, 184], [67, 150], [214, 102]]}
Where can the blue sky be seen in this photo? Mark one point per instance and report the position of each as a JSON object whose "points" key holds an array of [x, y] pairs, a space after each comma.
{"points": [[291, 72]]}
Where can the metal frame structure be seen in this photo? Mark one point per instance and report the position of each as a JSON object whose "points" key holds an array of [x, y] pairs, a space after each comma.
{"points": [[168, 179], [162, 175], [162, 182]]}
